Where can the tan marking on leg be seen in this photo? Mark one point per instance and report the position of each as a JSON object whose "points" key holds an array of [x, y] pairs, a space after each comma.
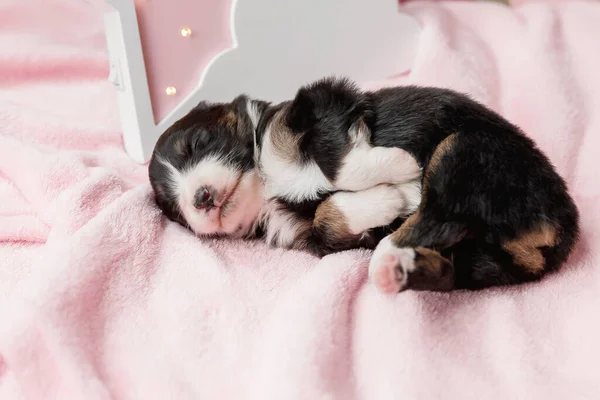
{"points": [[433, 261], [436, 158], [405, 230], [332, 221], [438, 154], [431, 271], [526, 251], [302, 233]]}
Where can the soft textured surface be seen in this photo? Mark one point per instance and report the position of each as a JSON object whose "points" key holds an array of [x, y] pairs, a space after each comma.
{"points": [[101, 298]]}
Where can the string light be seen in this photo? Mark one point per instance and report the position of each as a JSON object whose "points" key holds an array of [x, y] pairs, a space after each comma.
{"points": [[170, 90], [185, 32]]}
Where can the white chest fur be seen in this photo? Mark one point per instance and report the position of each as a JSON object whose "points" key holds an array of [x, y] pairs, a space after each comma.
{"points": [[290, 180]]}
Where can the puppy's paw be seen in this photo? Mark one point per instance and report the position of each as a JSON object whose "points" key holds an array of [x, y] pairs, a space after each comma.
{"points": [[403, 167], [390, 266]]}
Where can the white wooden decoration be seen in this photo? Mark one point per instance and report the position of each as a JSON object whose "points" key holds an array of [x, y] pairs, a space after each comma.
{"points": [[277, 47]]}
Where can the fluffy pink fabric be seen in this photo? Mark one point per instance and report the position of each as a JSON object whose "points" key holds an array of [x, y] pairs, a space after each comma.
{"points": [[101, 298]]}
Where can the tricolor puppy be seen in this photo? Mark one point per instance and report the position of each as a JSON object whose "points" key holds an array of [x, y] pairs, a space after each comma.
{"points": [[234, 170], [336, 167]]}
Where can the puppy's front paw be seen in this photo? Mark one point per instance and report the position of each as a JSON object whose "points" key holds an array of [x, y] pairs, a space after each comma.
{"points": [[403, 167], [390, 266]]}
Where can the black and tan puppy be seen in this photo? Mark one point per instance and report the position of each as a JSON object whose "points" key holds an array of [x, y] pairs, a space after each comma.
{"points": [[491, 210], [233, 169]]}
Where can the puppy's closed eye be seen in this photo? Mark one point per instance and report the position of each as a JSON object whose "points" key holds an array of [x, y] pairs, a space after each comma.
{"points": [[198, 142], [185, 146]]}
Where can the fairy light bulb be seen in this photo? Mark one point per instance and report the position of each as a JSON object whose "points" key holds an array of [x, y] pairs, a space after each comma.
{"points": [[170, 90], [185, 32]]}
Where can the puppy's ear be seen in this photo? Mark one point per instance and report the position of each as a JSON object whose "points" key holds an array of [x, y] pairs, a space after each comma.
{"points": [[202, 105], [301, 116], [331, 97]]}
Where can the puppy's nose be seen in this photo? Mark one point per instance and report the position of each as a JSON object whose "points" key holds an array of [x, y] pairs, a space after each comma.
{"points": [[204, 198]]}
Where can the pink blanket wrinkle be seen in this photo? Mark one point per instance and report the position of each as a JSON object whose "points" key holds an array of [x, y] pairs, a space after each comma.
{"points": [[102, 298]]}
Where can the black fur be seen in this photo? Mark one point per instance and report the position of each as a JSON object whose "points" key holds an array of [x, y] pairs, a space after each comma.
{"points": [[492, 186]]}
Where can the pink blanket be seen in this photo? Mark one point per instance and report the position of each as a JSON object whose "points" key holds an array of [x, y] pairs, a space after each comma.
{"points": [[100, 298]]}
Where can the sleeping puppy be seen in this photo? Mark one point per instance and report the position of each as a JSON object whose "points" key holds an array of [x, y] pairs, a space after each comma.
{"points": [[491, 210], [220, 172]]}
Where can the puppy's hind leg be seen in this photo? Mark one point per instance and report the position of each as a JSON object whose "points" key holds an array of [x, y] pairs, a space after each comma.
{"points": [[410, 257], [394, 269]]}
